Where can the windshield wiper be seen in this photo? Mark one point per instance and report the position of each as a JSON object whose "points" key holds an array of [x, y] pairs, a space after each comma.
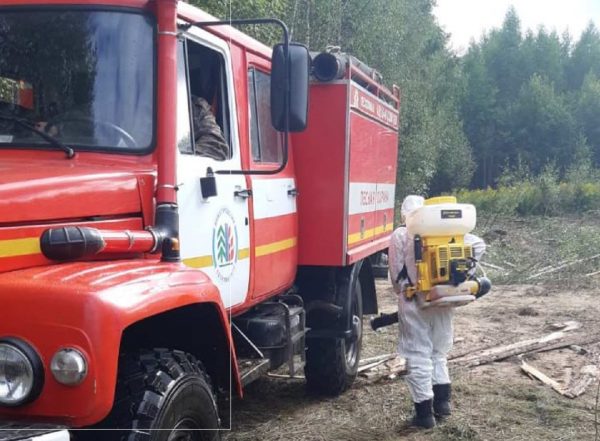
{"points": [[49, 138]]}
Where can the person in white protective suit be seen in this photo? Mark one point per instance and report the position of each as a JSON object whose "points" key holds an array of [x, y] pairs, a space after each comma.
{"points": [[425, 334]]}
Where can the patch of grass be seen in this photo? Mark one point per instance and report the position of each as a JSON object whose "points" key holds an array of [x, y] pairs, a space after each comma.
{"points": [[456, 430], [512, 411]]}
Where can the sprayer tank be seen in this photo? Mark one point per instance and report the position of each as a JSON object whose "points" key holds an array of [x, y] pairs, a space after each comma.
{"points": [[441, 218]]}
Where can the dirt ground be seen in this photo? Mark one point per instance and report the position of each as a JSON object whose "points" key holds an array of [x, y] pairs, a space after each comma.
{"points": [[492, 402]]}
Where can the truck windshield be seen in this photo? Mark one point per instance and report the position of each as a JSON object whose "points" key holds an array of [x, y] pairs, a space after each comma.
{"points": [[85, 77]]}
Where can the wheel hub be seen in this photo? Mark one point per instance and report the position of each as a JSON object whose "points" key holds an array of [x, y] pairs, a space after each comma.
{"points": [[352, 343], [185, 430]]}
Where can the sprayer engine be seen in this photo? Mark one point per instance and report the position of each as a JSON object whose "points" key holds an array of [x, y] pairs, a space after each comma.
{"points": [[445, 264], [441, 261]]}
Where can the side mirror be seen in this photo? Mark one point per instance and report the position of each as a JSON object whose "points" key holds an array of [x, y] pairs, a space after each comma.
{"points": [[296, 79]]}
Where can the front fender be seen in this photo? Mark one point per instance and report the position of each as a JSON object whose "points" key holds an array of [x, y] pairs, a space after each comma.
{"points": [[88, 305]]}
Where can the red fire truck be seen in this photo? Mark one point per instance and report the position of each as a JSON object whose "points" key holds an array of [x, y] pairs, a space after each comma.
{"points": [[143, 278]]}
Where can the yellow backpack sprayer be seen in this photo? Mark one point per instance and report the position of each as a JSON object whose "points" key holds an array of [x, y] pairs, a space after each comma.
{"points": [[445, 263]]}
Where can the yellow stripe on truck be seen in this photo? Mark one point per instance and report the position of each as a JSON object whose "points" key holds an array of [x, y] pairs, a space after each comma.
{"points": [[206, 261], [244, 253], [370, 233], [275, 247], [199, 262], [20, 247]]}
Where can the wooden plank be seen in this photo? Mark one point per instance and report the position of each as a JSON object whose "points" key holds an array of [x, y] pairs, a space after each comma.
{"points": [[389, 368], [367, 367], [575, 339], [370, 360], [530, 370]]}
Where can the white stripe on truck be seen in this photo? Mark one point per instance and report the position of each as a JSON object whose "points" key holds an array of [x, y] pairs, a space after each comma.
{"points": [[270, 197], [367, 196]]}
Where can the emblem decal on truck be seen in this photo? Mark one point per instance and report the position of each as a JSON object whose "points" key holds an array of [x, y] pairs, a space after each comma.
{"points": [[225, 245]]}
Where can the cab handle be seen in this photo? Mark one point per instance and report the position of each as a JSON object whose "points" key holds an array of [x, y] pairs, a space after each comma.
{"points": [[243, 194]]}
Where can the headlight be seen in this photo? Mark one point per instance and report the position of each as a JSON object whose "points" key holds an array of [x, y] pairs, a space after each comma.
{"points": [[69, 367], [21, 373]]}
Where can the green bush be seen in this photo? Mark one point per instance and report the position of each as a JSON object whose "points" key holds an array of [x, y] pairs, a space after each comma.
{"points": [[539, 196]]}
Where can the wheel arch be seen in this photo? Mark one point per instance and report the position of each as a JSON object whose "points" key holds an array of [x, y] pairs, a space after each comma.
{"points": [[197, 329], [329, 290]]}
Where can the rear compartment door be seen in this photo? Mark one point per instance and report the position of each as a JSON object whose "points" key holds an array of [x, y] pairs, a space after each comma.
{"points": [[373, 135], [386, 166]]}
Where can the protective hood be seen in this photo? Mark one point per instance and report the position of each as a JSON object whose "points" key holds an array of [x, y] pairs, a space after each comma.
{"points": [[411, 203]]}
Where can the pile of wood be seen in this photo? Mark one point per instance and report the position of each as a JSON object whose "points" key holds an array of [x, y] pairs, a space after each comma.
{"points": [[563, 337]]}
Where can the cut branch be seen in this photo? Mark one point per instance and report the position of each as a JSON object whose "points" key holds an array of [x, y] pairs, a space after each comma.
{"points": [[554, 340], [490, 265], [566, 265]]}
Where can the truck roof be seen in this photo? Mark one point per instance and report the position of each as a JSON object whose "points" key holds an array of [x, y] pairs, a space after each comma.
{"points": [[191, 13]]}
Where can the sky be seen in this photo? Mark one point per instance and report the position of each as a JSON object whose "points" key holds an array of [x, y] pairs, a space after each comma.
{"points": [[468, 19]]}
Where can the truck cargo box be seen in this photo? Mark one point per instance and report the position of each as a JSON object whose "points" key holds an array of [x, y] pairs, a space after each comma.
{"points": [[346, 170]]}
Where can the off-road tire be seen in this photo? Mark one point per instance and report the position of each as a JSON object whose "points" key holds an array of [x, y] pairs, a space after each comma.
{"points": [[161, 389], [327, 370]]}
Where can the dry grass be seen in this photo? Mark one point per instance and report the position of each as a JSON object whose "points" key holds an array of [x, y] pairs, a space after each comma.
{"points": [[524, 247]]}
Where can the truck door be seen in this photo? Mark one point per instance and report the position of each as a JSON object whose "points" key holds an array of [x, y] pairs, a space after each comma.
{"points": [[214, 229], [275, 223]]}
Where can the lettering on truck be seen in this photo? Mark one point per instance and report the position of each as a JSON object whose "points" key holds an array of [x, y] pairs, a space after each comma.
{"points": [[375, 109], [370, 198]]}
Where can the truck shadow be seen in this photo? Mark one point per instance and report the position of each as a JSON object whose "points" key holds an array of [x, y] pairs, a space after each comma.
{"points": [[267, 400]]}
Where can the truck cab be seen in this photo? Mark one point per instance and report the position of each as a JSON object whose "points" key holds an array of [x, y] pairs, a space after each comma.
{"points": [[182, 210]]}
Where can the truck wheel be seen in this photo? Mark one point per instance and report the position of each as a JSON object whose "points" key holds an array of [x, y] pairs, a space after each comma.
{"points": [[163, 389], [332, 364]]}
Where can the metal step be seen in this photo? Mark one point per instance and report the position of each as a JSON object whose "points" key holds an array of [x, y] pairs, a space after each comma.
{"points": [[252, 368], [285, 371]]}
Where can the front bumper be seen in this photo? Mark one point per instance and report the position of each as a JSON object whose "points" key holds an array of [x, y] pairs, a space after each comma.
{"points": [[32, 432]]}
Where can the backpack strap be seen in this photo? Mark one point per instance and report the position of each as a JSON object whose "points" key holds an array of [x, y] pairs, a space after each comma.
{"points": [[403, 275]]}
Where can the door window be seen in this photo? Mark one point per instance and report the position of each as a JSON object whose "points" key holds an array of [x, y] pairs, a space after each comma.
{"points": [[207, 103], [265, 140]]}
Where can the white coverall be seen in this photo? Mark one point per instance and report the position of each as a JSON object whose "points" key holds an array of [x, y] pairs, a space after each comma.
{"points": [[425, 334]]}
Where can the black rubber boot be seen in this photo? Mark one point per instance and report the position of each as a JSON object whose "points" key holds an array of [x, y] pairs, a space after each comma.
{"points": [[423, 415], [441, 400]]}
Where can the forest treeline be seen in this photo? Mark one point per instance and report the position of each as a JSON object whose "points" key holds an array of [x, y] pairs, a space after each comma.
{"points": [[518, 102]]}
